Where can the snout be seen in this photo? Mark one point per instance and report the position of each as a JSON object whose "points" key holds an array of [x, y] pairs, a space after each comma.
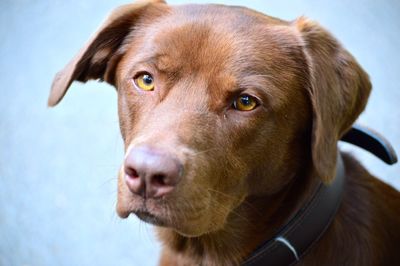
{"points": [[151, 172], [175, 188]]}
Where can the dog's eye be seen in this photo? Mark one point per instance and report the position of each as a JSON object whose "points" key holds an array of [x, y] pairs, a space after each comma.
{"points": [[245, 103], [144, 81]]}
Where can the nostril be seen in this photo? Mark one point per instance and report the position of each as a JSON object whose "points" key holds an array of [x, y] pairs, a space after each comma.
{"points": [[158, 180], [131, 173], [133, 181]]}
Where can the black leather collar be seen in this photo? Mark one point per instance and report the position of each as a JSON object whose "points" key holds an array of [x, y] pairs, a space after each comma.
{"points": [[295, 238]]}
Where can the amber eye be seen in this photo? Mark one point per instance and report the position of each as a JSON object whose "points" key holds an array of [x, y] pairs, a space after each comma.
{"points": [[245, 103], [144, 81]]}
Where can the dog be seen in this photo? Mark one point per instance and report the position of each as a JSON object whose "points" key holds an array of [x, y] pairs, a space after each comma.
{"points": [[230, 120]]}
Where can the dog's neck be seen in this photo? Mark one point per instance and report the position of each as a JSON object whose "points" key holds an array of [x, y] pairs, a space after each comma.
{"points": [[250, 224]]}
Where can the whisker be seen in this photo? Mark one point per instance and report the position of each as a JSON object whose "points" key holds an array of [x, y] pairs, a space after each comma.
{"points": [[205, 151], [235, 198]]}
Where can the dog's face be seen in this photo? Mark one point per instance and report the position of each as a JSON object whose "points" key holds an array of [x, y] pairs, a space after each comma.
{"points": [[215, 105], [219, 106]]}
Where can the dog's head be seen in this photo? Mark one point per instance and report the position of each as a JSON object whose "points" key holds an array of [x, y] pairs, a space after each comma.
{"points": [[217, 104]]}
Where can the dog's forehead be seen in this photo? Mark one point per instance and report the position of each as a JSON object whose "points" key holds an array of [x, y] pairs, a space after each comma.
{"points": [[206, 36]]}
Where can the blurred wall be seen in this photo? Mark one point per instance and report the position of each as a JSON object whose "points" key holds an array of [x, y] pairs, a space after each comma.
{"points": [[58, 166]]}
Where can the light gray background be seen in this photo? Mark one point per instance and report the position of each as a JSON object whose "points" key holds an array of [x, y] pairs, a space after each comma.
{"points": [[58, 166]]}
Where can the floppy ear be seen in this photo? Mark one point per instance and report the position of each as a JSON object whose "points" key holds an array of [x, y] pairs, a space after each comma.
{"points": [[339, 90], [95, 60]]}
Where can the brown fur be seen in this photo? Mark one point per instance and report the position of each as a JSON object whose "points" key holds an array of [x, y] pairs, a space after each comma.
{"points": [[245, 173]]}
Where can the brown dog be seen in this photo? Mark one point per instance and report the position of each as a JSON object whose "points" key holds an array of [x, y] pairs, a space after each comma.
{"points": [[230, 119]]}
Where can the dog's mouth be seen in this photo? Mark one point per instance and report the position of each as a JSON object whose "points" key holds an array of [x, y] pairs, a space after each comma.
{"points": [[149, 211], [150, 218], [186, 217]]}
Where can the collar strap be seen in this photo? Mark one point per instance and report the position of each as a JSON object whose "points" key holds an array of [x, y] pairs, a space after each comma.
{"points": [[372, 141], [305, 228], [311, 221]]}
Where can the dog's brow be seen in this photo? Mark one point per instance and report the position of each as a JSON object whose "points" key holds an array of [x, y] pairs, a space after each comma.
{"points": [[147, 60], [160, 62], [142, 62], [261, 82], [255, 80], [163, 62]]}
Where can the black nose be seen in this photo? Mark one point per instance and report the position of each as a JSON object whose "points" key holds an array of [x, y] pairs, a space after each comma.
{"points": [[151, 173]]}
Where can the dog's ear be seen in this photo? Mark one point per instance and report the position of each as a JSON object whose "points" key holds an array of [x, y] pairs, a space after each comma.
{"points": [[339, 90], [97, 59]]}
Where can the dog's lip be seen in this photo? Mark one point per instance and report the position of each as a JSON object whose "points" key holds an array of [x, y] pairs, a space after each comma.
{"points": [[150, 218], [147, 211]]}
